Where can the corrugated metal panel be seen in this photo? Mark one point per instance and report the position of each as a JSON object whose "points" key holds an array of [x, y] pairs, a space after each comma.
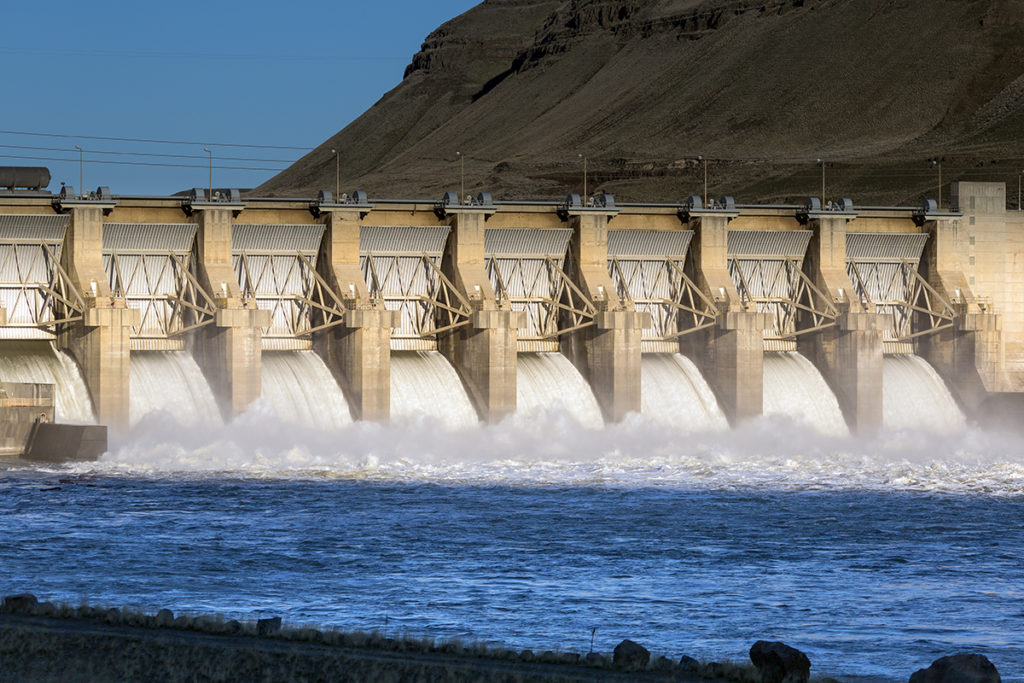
{"points": [[15, 228], [26, 333], [769, 243], [868, 246], [277, 238], [663, 243], [539, 242], [404, 239], [148, 237]]}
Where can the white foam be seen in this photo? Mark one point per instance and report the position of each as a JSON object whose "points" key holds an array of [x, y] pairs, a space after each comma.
{"points": [[793, 387], [548, 382], [674, 393]]}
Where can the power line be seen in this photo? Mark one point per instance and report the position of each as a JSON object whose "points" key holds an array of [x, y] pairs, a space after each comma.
{"points": [[140, 163], [147, 140], [147, 154]]}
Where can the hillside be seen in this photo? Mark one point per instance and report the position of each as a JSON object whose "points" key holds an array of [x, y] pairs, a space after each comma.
{"points": [[642, 87]]}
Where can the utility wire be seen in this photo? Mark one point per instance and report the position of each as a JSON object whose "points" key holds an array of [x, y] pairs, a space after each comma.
{"points": [[147, 140], [141, 163], [147, 154]]}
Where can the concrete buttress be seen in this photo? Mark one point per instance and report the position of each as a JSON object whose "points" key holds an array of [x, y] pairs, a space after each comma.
{"points": [[100, 342], [483, 351], [731, 353], [358, 350], [967, 354], [229, 351], [849, 353], [608, 353]]}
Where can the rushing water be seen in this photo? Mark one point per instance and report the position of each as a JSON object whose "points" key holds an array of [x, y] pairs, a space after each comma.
{"points": [[546, 381], [425, 385], [170, 381], [914, 396], [302, 390], [40, 362], [674, 393], [793, 387]]}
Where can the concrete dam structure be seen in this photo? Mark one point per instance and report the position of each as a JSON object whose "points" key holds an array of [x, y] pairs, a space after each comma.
{"points": [[466, 309]]}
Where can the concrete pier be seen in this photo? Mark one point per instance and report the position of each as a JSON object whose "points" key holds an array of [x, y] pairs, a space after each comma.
{"points": [[229, 351], [849, 353], [358, 350], [100, 341], [483, 351], [608, 353], [731, 353]]}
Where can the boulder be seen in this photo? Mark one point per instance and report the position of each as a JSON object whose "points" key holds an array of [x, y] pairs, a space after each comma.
{"points": [[633, 655], [21, 603], [778, 662], [687, 663], [961, 668], [268, 626], [164, 618], [595, 659]]}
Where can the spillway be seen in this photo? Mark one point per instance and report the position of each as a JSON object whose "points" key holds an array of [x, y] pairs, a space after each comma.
{"points": [[170, 381], [423, 383], [915, 397], [302, 390], [547, 380], [793, 387], [40, 362], [674, 393]]}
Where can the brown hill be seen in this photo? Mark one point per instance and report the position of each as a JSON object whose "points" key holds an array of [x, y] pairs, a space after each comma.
{"points": [[761, 88]]}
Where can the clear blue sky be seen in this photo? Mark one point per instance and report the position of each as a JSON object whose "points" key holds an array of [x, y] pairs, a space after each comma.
{"points": [[287, 73]]}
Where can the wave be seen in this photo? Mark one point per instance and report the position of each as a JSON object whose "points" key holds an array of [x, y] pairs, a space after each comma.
{"points": [[553, 449]]}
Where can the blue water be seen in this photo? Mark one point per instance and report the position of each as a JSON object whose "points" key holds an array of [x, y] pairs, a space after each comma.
{"points": [[874, 557]]}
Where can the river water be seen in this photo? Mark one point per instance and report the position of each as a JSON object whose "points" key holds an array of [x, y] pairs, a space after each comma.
{"points": [[873, 556]]}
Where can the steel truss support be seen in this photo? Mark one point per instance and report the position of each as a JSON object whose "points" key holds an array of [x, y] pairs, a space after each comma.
{"points": [[429, 302], [686, 309], [902, 293], [554, 305], [780, 287]]}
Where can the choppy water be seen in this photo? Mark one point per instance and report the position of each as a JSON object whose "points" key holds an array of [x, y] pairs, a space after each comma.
{"points": [[874, 556]]}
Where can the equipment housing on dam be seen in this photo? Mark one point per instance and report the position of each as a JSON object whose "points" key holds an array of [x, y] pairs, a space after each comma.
{"points": [[488, 293]]}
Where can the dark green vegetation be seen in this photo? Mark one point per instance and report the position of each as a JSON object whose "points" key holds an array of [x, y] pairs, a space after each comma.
{"points": [[642, 87]]}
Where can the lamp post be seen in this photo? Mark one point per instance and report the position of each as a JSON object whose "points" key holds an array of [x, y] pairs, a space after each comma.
{"points": [[936, 163], [584, 176], [337, 175], [208, 151], [821, 162], [1019, 176], [462, 176], [81, 188], [705, 162]]}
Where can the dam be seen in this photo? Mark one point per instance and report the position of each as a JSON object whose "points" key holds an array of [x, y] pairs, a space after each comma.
{"points": [[467, 310]]}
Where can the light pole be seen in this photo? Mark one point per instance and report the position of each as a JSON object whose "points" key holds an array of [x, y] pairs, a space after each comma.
{"points": [[821, 163], [462, 176], [337, 175], [938, 163], [705, 162], [81, 188], [208, 151], [584, 176], [1019, 176]]}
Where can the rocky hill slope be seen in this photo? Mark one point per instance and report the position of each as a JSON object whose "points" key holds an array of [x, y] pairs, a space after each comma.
{"points": [[760, 88]]}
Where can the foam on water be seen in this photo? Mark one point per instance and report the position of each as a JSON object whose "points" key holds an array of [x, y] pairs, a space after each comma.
{"points": [[915, 397], [170, 381], [424, 385], [301, 390], [793, 387], [40, 362], [549, 382], [674, 393]]}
